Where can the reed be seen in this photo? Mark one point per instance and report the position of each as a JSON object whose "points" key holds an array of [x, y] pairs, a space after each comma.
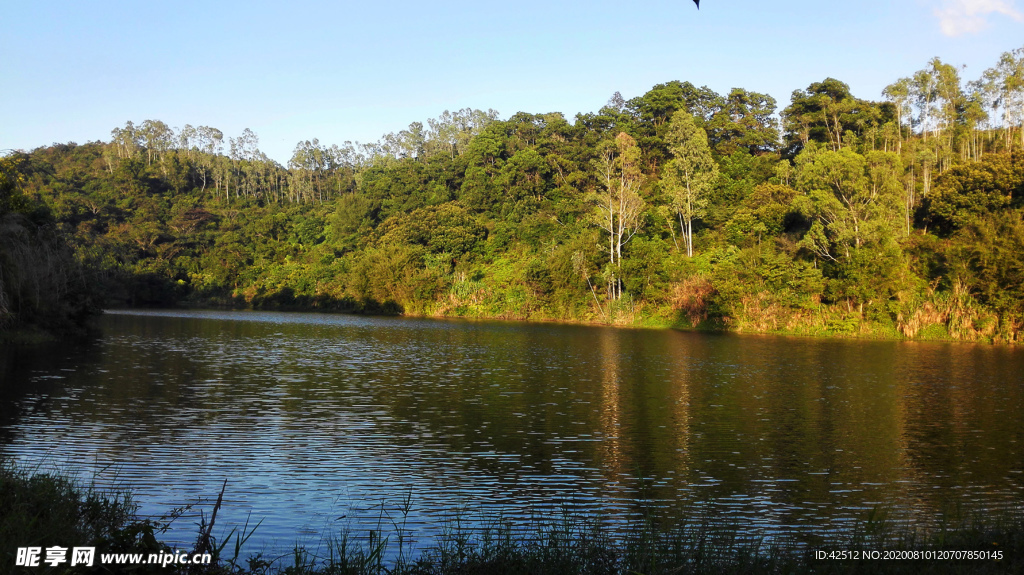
{"points": [[44, 509], [578, 545]]}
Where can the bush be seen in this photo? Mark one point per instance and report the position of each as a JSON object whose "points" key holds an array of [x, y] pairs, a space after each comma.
{"points": [[48, 509]]}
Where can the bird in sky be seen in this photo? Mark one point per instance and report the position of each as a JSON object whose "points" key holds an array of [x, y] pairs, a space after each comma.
{"points": [[697, 2]]}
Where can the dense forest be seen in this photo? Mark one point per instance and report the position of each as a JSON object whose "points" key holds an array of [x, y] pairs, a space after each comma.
{"points": [[44, 289], [685, 207]]}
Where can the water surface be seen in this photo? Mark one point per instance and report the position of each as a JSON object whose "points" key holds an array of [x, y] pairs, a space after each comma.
{"points": [[329, 422]]}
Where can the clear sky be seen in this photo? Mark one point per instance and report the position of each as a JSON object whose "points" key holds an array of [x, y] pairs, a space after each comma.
{"points": [[72, 71]]}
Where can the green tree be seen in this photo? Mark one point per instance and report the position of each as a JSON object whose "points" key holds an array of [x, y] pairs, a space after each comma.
{"points": [[969, 191], [619, 208], [744, 121], [763, 213], [41, 283], [898, 93], [157, 137], [853, 200], [1005, 81], [661, 102], [827, 113], [689, 177], [987, 256]]}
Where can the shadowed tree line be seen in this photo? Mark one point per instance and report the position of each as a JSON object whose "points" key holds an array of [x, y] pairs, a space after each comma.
{"points": [[43, 288], [681, 206]]}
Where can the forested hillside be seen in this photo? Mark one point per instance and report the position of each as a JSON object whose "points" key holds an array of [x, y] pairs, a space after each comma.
{"points": [[678, 207], [43, 288]]}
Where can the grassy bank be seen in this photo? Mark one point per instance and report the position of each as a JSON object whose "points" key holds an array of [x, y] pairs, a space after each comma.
{"points": [[45, 509], [51, 509], [825, 323]]}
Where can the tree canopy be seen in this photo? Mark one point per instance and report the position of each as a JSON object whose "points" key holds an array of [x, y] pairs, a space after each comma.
{"points": [[680, 206]]}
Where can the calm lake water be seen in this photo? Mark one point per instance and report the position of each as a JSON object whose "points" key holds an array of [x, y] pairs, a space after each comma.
{"points": [[329, 422]]}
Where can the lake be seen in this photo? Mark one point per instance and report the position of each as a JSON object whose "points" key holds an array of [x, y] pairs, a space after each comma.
{"points": [[322, 423]]}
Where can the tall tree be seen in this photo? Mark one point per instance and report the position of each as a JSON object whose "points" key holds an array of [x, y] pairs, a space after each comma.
{"points": [[1005, 82], [691, 174], [744, 121], [826, 112], [125, 140], [619, 208], [899, 94], [208, 141], [657, 106], [854, 199], [923, 93], [157, 137]]}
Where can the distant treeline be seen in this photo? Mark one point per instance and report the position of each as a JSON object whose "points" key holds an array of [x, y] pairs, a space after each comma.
{"points": [[679, 207]]}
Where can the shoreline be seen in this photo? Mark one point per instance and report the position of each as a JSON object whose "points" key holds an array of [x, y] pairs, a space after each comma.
{"points": [[878, 334]]}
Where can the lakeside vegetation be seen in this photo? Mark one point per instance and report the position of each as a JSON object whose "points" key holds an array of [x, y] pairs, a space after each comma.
{"points": [[682, 207], [46, 509], [43, 286]]}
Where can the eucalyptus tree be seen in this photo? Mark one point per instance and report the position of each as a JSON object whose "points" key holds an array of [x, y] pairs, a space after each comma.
{"points": [[349, 155], [948, 91], [923, 92], [157, 137], [409, 143], [899, 93], [690, 176], [452, 131], [125, 140], [307, 166], [245, 153], [470, 122], [949, 104], [248, 144], [186, 140], [207, 141], [412, 141], [973, 116], [243, 150], [1005, 84], [619, 207]]}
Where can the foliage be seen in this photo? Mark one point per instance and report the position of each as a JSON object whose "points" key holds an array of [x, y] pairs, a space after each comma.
{"points": [[42, 286], [688, 178], [969, 191], [680, 206], [52, 509]]}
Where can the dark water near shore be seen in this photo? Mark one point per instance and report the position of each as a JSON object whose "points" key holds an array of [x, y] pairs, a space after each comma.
{"points": [[326, 422]]}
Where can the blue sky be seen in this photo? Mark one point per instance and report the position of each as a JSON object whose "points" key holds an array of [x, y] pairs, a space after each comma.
{"points": [[340, 71]]}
